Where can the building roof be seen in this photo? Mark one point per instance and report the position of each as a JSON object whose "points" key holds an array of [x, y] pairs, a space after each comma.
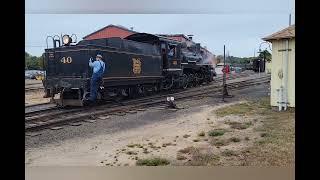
{"points": [[286, 33], [110, 25]]}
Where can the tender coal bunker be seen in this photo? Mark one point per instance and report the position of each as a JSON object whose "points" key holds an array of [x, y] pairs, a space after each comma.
{"points": [[143, 37], [115, 42], [96, 42], [122, 44]]}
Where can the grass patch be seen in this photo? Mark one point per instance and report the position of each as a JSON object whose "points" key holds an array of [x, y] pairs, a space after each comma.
{"points": [[134, 145], [186, 136], [276, 148], [203, 159], [217, 132], [153, 162], [219, 142], [187, 150], [235, 139], [181, 157], [248, 123], [238, 125], [198, 158], [166, 144], [131, 153], [152, 146], [201, 134], [228, 153], [145, 151], [237, 109], [264, 135]]}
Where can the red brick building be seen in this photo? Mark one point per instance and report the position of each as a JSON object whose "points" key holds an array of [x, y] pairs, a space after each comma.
{"points": [[122, 32], [110, 31]]}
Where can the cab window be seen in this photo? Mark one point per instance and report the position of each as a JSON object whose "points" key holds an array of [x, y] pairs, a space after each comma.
{"points": [[172, 51]]}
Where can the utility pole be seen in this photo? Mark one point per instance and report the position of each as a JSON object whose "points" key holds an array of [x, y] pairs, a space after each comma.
{"points": [[289, 19], [224, 83], [224, 72]]}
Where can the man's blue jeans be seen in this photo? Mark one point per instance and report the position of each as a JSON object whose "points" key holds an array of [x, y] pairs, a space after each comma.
{"points": [[94, 86]]}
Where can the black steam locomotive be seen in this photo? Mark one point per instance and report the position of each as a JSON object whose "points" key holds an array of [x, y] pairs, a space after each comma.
{"points": [[137, 65]]}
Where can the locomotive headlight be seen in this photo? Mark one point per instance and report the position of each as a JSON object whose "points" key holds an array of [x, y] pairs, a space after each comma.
{"points": [[66, 39]]}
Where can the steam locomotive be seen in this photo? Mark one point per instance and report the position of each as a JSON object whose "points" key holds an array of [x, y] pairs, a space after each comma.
{"points": [[138, 65]]}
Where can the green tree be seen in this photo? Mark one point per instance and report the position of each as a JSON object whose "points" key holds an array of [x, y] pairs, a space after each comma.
{"points": [[267, 55], [33, 62], [219, 59]]}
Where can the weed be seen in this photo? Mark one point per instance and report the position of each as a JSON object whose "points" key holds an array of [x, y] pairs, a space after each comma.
{"points": [[153, 162], [235, 139], [186, 136], [217, 132], [202, 133]]}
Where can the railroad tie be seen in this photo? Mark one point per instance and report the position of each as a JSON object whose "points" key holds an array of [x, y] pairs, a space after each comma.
{"points": [[33, 134], [56, 128], [104, 117], [131, 112], [75, 124], [90, 121]]}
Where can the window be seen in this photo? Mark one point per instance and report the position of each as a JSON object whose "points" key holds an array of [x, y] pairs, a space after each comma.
{"points": [[172, 51]]}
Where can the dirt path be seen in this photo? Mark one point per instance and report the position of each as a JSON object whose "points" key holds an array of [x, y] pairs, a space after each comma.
{"points": [[161, 139], [35, 97], [244, 131]]}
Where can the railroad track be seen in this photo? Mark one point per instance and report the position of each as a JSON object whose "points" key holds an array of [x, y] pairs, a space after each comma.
{"points": [[45, 107], [47, 120], [33, 88], [37, 108], [38, 85]]}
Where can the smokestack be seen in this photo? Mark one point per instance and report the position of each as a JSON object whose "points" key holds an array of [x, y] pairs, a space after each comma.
{"points": [[190, 36]]}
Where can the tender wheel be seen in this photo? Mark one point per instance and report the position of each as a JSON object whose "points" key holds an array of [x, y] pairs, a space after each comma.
{"points": [[86, 95]]}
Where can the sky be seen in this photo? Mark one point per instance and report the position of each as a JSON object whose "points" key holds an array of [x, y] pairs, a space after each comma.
{"points": [[241, 31]]}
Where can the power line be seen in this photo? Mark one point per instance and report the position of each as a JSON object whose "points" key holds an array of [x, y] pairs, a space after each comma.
{"points": [[35, 46]]}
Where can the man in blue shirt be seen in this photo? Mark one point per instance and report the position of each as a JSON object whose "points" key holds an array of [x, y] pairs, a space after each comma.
{"points": [[98, 71]]}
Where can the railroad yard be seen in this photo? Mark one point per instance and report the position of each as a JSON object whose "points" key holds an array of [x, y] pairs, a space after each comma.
{"points": [[202, 130]]}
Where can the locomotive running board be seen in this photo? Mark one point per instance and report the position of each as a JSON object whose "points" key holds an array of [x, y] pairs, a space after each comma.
{"points": [[68, 102]]}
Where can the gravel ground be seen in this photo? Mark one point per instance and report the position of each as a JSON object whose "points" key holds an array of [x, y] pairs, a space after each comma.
{"points": [[118, 131]]}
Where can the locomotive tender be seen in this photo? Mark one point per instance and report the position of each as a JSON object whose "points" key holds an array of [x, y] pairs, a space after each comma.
{"points": [[136, 65]]}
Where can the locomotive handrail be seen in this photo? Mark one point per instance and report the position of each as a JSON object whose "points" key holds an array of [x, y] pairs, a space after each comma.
{"points": [[74, 36], [56, 40], [53, 40], [47, 40]]}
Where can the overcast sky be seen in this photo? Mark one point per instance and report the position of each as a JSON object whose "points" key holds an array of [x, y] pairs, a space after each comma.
{"points": [[240, 31]]}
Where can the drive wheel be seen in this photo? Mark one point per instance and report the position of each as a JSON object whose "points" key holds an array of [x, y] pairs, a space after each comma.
{"points": [[184, 81]]}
